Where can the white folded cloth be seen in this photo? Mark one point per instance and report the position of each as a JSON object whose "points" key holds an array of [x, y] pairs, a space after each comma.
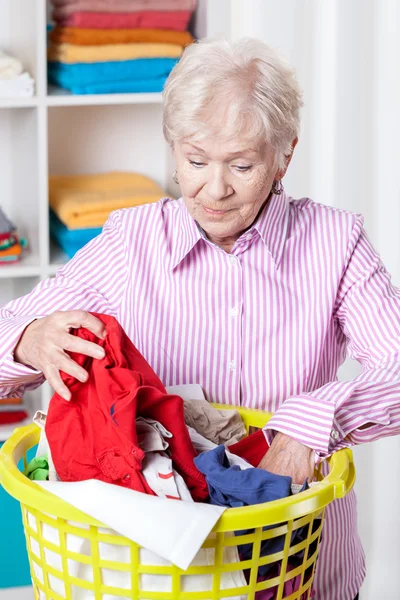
{"points": [[21, 86], [10, 67]]}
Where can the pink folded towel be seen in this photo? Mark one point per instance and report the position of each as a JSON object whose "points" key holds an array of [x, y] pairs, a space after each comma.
{"points": [[63, 8], [176, 20]]}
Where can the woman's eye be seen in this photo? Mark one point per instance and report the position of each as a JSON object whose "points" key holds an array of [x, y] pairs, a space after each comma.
{"points": [[242, 168], [196, 164]]}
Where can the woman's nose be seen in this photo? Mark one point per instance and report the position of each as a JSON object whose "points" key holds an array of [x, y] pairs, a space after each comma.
{"points": [[218, 186]]}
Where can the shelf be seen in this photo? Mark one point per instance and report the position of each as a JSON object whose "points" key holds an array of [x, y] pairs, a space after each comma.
{"points": [[60, 97], [19, 102], [28, 266]]}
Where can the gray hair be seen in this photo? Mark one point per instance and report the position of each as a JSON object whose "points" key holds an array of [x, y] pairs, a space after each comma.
{"points": [[250, 82]]}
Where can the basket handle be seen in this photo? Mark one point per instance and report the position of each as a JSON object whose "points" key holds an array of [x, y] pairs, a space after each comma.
{"points": [[342, 474]]}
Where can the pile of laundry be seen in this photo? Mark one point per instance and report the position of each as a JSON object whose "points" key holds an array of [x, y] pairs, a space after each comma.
{"points": [[14, 80], [11, 245], [81, 204], [123, 46], [122, 427]]}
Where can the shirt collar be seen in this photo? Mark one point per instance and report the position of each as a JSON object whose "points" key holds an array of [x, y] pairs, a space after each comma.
{"points": [[187, 236], [271, 225]]}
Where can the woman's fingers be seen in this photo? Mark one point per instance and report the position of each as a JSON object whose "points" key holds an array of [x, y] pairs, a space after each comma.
{"points": [[64, 363], [72, 343], [53, 376], [44, 343], [80, 318]]}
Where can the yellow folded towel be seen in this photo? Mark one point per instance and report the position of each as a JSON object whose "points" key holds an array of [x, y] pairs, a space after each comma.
{"points": [[82, 201], [72, 53]]}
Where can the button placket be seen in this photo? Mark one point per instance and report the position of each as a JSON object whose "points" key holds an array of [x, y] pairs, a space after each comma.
{"points": [[234, 309]]}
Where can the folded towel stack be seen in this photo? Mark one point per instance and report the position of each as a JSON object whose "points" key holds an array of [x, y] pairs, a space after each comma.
{"points": [[115, 46], [11, 245], [80, 204], [14, 81], [12, 410]]}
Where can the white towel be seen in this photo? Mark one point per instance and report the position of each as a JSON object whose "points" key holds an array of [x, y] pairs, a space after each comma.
{"points": [[21, 86], [10, 67], [140, 517]]}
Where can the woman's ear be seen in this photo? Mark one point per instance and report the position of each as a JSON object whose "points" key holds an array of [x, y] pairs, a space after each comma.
{"points": [[280, 174]]}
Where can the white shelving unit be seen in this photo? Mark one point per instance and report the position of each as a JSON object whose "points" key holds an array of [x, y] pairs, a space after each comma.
{"points": [[56, 132]]}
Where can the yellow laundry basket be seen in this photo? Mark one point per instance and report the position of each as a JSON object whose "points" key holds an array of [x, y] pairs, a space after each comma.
{"points": [[71, 554]]}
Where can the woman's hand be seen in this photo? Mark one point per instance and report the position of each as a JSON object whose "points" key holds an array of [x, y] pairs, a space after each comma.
{"points": [[286, 456], [44, 342]]}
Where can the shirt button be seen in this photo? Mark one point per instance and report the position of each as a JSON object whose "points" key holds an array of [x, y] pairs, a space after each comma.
{"points": [[334, 434], [232, 259], [234, 311], [232, 365]]}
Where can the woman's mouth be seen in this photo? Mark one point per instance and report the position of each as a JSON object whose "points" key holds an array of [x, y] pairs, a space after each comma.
{"points": [[211, 211]]}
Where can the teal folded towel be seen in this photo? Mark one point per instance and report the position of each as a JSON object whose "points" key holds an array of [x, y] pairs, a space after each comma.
{"points": [[70, 240], [137, 75]]}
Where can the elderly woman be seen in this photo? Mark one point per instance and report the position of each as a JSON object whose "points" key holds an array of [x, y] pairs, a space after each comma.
{"points": [[236, 286]]}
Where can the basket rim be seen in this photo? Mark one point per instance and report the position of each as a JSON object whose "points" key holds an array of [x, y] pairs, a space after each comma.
{"points": [[336, 484]]}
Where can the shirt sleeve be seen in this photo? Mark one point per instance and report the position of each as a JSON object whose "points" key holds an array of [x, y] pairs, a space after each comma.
{"points": [[93, 280], [366, 408]]}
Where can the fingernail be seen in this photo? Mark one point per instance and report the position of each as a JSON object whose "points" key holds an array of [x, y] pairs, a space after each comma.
{"points": [[104, 333], [67, 396], [100, 353]]}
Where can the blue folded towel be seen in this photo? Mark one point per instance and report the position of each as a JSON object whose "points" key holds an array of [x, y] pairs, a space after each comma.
{"points": [[84, 74], [143, 86], [70, 240]]}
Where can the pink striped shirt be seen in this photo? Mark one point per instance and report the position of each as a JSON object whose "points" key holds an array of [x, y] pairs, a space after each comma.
{"points": [[266, 326]]}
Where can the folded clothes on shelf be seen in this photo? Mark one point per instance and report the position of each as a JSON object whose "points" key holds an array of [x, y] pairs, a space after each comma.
{"points": [[94, 37], [70, 240], [22, 85], [11, 246], [114, 71], [13, 80], [72, 53], [135, 86], [64, 8], [81, 201], [139, 75], [12, 410], [120, 31], [161, 19], [10, 67]]}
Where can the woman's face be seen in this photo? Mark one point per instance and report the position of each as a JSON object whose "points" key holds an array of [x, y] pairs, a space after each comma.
{"points": [[224, 185]]}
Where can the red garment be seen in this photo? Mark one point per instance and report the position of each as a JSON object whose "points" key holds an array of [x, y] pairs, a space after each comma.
{"points": [[152, 19], [94, 435], [252, 448]]}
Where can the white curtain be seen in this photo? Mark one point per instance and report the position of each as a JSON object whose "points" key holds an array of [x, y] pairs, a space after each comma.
{"points": [[347, 56]]}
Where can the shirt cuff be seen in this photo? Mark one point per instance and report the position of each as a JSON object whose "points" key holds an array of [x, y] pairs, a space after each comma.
{"points": [[12, 372], [310, 421]]}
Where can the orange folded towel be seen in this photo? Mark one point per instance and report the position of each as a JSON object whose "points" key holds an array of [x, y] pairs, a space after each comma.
{"points": [[94, 37], [14, 250], [10, 401]]}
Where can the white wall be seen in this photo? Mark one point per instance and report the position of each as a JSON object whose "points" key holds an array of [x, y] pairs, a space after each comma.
{"points": [[347, 56]]}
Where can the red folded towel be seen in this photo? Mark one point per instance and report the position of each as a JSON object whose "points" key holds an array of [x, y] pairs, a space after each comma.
{"points": [[9, 418], [151, 19], [69, 6]]}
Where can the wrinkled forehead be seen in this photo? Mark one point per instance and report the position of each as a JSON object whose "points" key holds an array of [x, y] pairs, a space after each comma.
{"points": [[231, 126]]}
